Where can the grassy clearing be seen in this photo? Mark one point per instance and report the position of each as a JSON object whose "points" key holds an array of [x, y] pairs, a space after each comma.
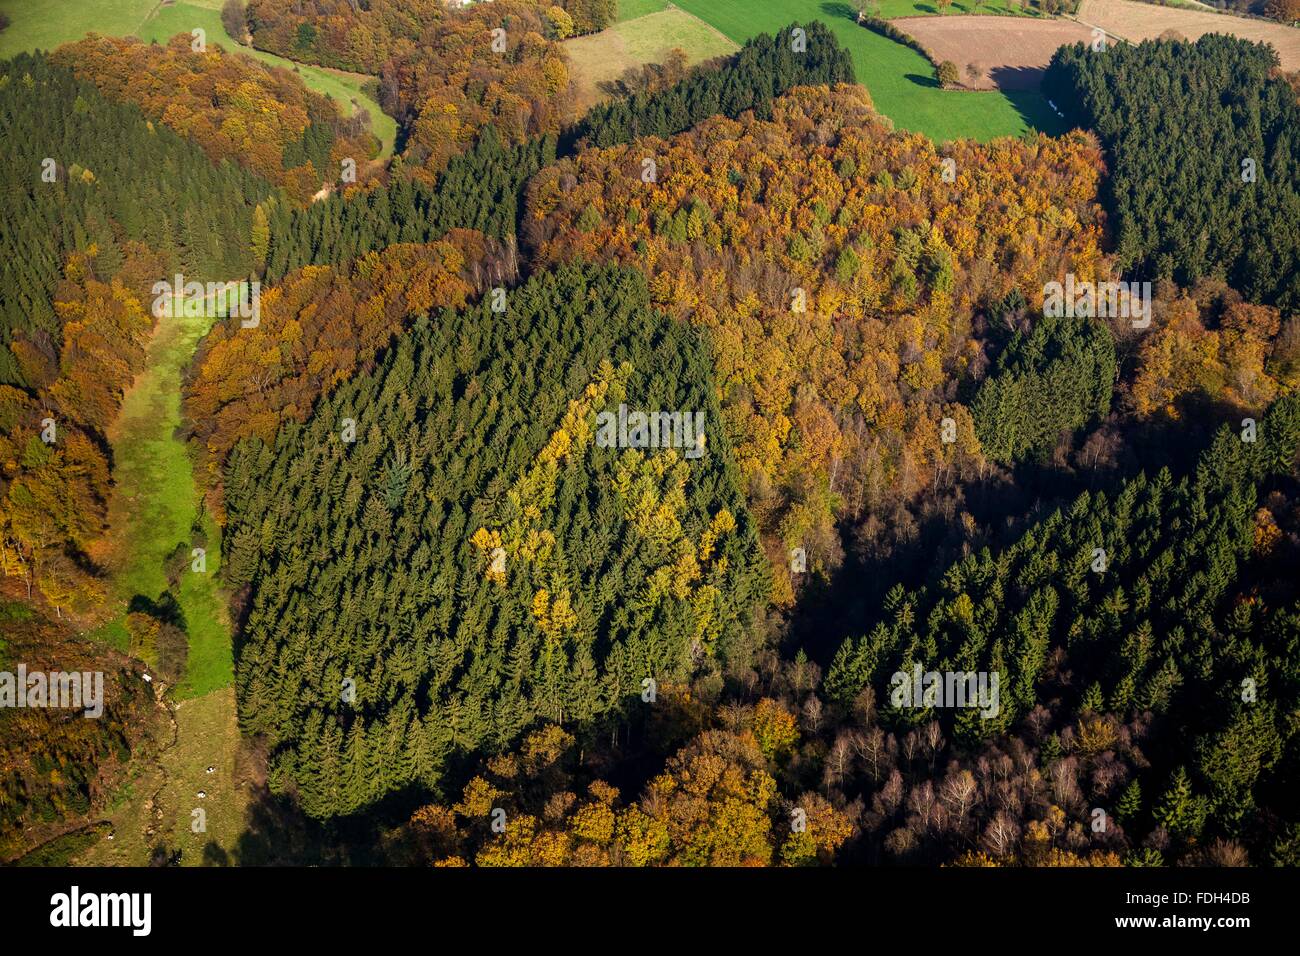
{"points": [[647, 39], [604, 56], [208, 737], [45, 24], [631, 9], [900, 80], [153, 512], [157, 807], [155, 506]]}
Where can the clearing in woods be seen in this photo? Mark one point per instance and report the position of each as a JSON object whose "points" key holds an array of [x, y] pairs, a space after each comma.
{"points": [[154, 512], [156, 808], [901, 81], [153, 516], [1144, 21], [601, 57]]}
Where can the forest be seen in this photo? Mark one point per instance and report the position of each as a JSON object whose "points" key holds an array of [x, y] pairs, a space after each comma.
{"points": [[55, 764], [482, 188], [837, 279], [321, 325], [232, 106], [89, 239], [1238, 217], [480, 563], [365, 38], [461, 625]]}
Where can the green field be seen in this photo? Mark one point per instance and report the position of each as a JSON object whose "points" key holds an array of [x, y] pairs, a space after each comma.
{"points": [[596, 59], [44, 24], [649, 37], [923, 8], [49, 23], [154, 507], [901, 81], [631, 9]]}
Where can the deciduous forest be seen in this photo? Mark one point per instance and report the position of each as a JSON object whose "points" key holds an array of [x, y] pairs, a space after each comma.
{"points": [[601, 489]]}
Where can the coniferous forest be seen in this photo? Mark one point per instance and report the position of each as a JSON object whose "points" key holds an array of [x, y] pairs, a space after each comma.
{"points": [[707, 476]]}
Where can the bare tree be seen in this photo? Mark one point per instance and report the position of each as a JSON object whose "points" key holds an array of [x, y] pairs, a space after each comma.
{"points": [[870, 746], [921, 803], [932, 737], [813, 713], [1001, 835], [888, 799], [839, 761], [958, 792], [911, 745]]}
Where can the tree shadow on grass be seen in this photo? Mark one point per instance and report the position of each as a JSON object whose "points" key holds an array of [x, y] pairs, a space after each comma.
{"points": [[1009, 78], [1033, 109], [839, 10], [166, 609], [929, 82]]}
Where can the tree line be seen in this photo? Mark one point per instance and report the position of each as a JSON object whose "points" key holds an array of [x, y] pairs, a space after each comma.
{"points": [[363, 38], [1205, 163], [482, 187], [764, 68], [480, 190]]}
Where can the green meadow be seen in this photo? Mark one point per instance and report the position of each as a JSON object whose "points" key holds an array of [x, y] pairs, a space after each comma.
{"points": [[631, 9], [925, 8], [155, 509], [901, 81], [45, 24]]}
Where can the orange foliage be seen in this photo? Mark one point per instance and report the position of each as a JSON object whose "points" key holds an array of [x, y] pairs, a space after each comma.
{"points": [[837, 272], [53, 494], [452, 83], [1208, 345], [231, 105], [318, 327]]}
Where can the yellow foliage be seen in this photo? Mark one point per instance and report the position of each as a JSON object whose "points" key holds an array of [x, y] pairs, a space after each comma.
{"points": [[774, 728]]}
